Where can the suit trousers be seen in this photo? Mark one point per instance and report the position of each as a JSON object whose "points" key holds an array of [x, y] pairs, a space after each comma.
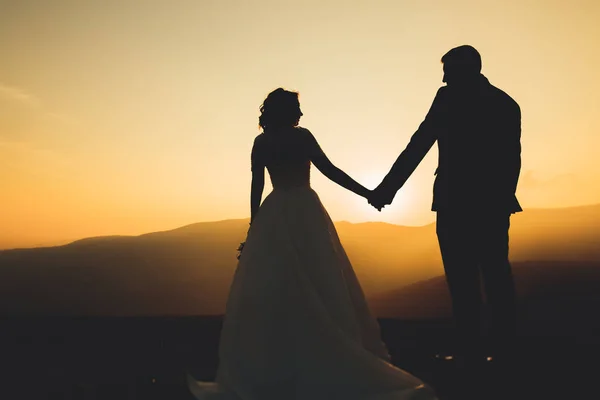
{"points": [[474, 249]]}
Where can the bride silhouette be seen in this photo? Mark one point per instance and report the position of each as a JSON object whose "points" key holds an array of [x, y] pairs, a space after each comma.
{"points": [[297, 325]]}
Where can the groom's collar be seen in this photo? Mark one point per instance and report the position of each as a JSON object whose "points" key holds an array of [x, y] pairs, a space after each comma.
{"points": [[479, 82]]}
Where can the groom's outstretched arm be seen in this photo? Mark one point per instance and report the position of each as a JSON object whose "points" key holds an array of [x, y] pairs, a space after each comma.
{"points": [[419, 145]]}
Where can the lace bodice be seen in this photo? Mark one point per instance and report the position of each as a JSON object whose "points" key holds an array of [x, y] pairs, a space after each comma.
{"points": [[287, 155]]}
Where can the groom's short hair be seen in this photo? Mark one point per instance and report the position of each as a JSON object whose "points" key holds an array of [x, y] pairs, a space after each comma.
{"points": [[465, 57]]}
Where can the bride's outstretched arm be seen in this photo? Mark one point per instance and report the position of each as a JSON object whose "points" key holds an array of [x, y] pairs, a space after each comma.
{"points": [[338, 176], [323, 164]]}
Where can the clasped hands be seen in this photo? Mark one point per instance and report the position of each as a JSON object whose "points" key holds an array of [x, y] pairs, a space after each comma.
{"points": [[379, 198]]}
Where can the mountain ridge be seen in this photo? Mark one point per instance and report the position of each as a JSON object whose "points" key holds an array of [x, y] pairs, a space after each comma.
{"points": [[188, 270], [343, 223]]}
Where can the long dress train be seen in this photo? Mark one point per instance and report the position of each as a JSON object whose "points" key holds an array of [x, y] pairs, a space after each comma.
{"points": [[297, 324]]}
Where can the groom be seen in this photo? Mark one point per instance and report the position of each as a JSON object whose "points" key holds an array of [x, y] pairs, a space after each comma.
{"points": [[478, 129]]}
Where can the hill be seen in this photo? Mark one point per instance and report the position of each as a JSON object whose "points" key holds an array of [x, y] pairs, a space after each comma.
{"points": [[187, 271], [554, 298]]}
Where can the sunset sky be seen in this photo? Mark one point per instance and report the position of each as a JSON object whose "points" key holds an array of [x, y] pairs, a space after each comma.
{"points": [[126, 117]]}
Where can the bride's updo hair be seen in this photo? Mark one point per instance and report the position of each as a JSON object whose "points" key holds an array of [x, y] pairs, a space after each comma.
{"points": [[281, 109]]}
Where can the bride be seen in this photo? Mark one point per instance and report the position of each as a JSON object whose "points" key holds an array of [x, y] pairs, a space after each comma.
{"points": [[297, 324]]}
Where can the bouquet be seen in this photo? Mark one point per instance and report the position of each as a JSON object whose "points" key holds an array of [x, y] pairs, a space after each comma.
{"points": [[241, 246], [240, 249]]}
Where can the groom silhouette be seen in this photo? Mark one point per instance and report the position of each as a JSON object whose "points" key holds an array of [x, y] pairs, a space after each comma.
{"points": [[478, 129]]}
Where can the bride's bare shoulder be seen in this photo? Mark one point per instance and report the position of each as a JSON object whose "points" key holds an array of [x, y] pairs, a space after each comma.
{"points": [[302, 130], [304, 133], [259, 138]]}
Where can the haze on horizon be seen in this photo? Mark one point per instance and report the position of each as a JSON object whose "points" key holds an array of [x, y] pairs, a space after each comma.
{"points": [[126, 117]]}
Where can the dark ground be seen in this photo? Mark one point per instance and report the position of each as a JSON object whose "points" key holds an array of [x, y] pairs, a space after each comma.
{"points": [[145, 358]]}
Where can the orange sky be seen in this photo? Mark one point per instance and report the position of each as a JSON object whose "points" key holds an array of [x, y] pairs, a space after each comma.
{"points": [[124, 117]]}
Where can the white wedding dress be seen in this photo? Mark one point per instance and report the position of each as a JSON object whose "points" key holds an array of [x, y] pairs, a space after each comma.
{"points": [[297, 324]]}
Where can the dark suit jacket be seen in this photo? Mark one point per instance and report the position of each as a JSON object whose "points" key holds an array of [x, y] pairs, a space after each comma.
{"points": [[478, 130]]}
